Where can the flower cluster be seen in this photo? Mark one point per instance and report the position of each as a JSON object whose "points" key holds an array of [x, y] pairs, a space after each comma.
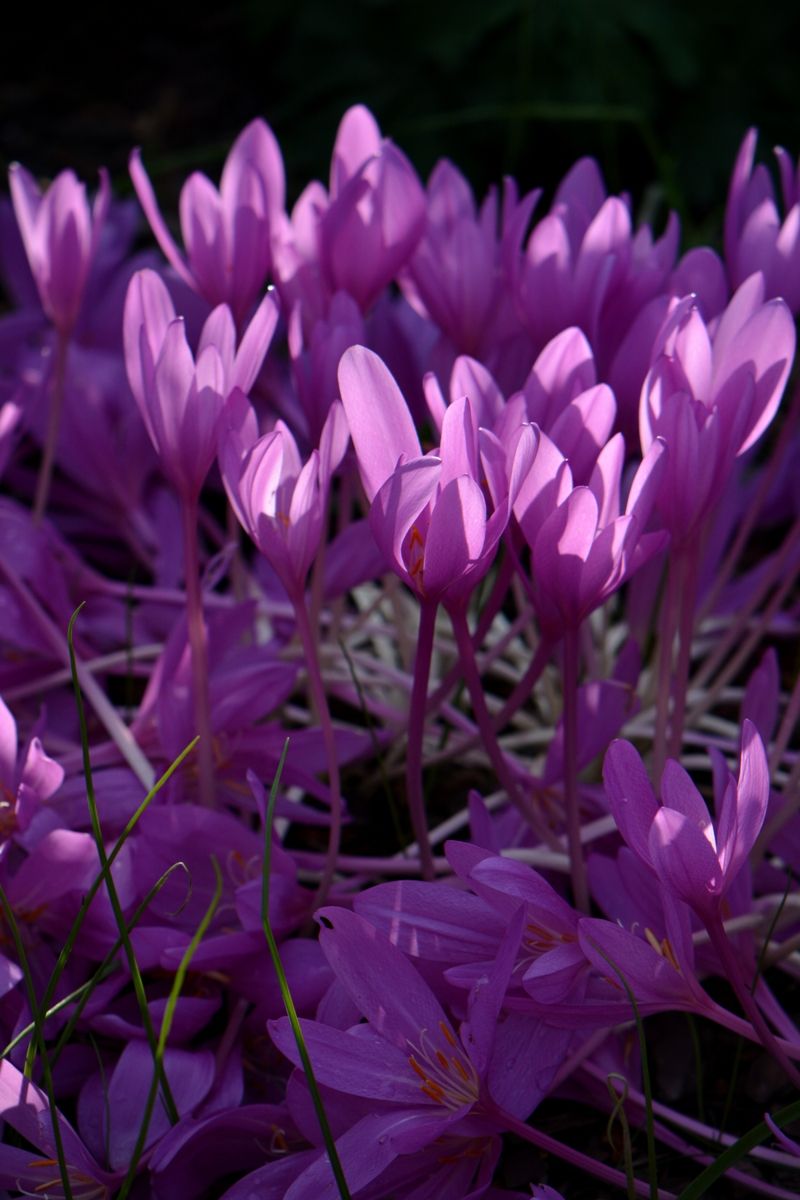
{"points": [[488, 512]]}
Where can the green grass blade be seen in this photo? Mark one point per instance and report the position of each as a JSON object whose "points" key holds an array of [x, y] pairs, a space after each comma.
{"points": [[288, 1002], [11, 921], [647, 1088], [111, 888], [109, 960], [618, 1114], [66, 949], [166, 1025], [730, 1157]]}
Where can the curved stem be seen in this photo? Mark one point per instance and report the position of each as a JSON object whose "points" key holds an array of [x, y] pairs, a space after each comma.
{"points": [[686, 567], [766, 482], [733, 971], [668, 625], [53, 425], [483, 717], [320, 703], [416, 733], [511, 1124], [199, 649]]}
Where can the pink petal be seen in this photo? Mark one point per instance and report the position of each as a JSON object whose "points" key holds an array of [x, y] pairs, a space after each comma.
{"points": [[380, 423]]}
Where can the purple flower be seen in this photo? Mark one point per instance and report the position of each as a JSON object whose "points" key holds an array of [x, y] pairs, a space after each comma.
{"points": [[280, 500], [424, 1082], [583, 546], [181, 396], [356, 237], [756, 237], [60, 234], [696, 860], [429, 513], [710, 394], [226, 232]]}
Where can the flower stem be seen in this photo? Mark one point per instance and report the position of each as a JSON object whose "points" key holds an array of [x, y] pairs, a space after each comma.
{"points": [[320, 703], [686, 566], [53, 425], [580, 889], [733, 971], [416, 732], [199, 649], [511, 1124], [668, 625]]}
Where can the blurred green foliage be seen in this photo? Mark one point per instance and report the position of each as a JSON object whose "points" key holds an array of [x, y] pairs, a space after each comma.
{"points": [[660, 91]]}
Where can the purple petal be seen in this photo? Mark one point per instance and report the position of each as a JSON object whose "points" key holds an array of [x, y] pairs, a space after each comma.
{"points": [[380, 423], [685, 860], [631, 797], [147, 199], [381, 981]]}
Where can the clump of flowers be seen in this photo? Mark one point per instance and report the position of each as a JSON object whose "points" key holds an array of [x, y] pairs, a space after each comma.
{"points": [[468, 532]]}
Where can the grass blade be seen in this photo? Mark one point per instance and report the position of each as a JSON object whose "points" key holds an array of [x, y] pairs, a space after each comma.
{"points": [[291, 1011]]}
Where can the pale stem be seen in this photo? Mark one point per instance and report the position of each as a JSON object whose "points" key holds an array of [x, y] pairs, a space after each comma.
{"points": [[483, 717], [686, 567], [580, 888], [53, 425], [786, 728], [667, 628], [108, 716], [319, 701], [780, 570], [733, 971], [198, 645], [511, 1124], [765, 484], [416, 734]]}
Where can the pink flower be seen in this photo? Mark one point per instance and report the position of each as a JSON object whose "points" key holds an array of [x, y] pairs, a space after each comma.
{"points": [[179, 396], [756, 238], [697, 860], [227, 231], [60, 234]]}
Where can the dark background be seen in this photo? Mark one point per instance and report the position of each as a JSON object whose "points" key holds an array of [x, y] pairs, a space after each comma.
{"points": [[660, 91]]}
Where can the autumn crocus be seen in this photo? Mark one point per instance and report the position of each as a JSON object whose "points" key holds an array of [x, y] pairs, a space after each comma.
{"points": [[60, 234], [355, 236], [181, 398], [282, 503], [696, 859], [227, 232], [430, 516], [758, 237], [711, 393], [583, 548]]}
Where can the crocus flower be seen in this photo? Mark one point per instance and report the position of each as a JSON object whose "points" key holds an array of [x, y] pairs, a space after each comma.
{"points": [[710, 395], [181, 396], [454, 276], [424, 1081], [355, 237], [27, 778], [583, 265], [696, 860], [757, 237], [60, 233], [583, 546], [226, 232], [280, 500], [429, 513]]}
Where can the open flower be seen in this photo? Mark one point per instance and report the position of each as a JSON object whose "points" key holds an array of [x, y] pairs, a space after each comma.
{"points": [[696, 860]]}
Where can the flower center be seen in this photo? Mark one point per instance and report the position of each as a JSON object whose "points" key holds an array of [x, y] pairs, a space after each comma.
{"points": [[448, 1077], [83, 1186]]}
